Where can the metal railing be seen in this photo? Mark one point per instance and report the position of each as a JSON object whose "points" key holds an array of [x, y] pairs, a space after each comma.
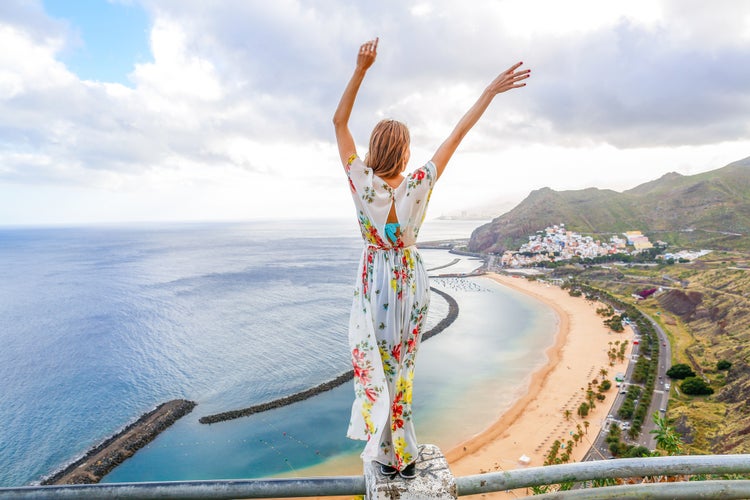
{"points": [[214, 490], [607, 469], [467, 485]]}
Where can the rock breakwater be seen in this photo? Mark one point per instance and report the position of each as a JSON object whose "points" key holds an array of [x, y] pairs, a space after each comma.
{"points": [[104, 457], [327, 386]]}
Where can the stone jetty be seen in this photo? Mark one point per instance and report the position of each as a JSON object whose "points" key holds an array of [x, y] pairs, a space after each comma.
{"points": [[327, 386], [104, 457]]}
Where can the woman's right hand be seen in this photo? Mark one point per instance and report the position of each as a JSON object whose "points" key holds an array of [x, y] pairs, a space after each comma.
{"points": [[368, 51]]}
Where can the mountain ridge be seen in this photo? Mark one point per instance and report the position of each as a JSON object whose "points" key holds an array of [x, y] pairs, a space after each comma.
{"points": [[710, 209]]}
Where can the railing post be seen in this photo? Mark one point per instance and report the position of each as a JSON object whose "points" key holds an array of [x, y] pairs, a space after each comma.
{"points": [[434, 480]]}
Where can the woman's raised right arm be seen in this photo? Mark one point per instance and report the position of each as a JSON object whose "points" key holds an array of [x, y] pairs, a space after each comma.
{"points": [[507, 80], [368, 51]]}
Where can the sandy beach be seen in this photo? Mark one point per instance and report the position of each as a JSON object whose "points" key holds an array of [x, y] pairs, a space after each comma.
{"points": [[538, 418]]}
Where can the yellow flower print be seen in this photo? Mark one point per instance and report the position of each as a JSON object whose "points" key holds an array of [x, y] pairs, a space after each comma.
{"points": [[404, 386], [367, 415], [399, 445], [409, 259], [384, 354]]}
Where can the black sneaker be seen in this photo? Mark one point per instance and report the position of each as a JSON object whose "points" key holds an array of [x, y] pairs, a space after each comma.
{"points": [[409, 472], [387, 470]]}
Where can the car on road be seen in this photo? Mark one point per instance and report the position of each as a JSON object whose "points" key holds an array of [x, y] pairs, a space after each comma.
{"points": [[666, 386]]}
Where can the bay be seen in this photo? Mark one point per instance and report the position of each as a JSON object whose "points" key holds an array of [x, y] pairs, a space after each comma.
{"points": [[100, 324]]}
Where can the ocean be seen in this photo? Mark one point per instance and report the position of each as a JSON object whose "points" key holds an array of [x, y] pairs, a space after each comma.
{"points": [[99, 324]]}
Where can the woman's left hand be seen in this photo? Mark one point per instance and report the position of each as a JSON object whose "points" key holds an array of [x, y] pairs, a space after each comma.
{"points": [[368, 51], [509, 79]]}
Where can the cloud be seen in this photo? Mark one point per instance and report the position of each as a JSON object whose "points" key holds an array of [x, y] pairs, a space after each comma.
{"points": [[634, 87], [240, 94]]}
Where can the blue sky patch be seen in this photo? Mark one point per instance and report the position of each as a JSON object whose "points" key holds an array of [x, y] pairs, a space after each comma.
{"points": [[112, 37]]}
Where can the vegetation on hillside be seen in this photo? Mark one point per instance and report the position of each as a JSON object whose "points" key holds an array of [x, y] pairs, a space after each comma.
{"points": [[704, 307]]}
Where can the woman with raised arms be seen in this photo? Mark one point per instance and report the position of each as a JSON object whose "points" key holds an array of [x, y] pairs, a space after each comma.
{"points": [[392, 292]]}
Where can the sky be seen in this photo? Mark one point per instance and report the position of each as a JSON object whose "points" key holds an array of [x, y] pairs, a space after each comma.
{"points": [[186, 110]]}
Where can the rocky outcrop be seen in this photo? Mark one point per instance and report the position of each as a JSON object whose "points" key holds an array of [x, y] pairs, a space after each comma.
{"points": [[681, 303]]}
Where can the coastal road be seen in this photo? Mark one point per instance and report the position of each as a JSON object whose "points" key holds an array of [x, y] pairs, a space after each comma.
{"points": [[659, 400], [599, 449], [661, 388]]}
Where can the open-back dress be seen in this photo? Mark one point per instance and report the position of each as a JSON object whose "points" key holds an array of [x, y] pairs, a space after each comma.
{"points": [[388, 313]]}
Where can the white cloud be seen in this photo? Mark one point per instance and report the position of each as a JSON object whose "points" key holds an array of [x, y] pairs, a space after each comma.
{"points": [[175, 74], [232, 117], [28, 65]]}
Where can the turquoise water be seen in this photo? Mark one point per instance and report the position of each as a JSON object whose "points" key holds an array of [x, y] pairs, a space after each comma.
{"points": [[100, 325]]}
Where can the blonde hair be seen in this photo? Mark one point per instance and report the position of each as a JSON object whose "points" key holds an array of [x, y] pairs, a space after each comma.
{"points": [[389, 147]]}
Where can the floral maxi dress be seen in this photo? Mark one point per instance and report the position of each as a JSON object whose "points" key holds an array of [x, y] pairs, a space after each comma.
{"points": [[388, 313]]}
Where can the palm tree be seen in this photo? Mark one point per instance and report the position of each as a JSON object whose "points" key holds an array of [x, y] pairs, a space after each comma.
{"points": [[586, 425], [568, 413], [603, 372], [666, 437], [590, 396]]}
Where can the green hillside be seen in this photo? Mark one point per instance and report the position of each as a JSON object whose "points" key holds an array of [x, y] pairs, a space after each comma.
{"points": [[704, 308], [708, 210]]}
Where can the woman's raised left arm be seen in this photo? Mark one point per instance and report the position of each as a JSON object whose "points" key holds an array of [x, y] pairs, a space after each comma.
{"points": [[512, 78]]}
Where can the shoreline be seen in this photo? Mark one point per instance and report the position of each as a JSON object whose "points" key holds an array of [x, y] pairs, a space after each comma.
{"points": [[538, 381], [530, 426]]}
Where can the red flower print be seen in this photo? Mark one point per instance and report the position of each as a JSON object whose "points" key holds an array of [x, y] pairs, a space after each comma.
{"points": [[371, 394], [357, 354], [397, 423], [362, 374], [396, 353], [418, 175], [358, 363], [411, 344], [397, 410]]}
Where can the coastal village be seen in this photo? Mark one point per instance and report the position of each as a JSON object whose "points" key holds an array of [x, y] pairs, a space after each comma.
{"points": [[556, 243]]}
